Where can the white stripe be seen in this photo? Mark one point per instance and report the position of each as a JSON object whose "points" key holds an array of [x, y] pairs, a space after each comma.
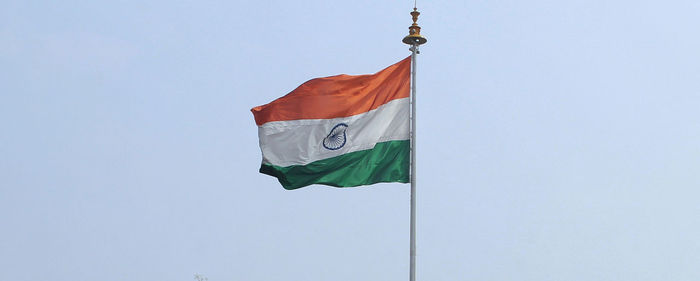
{"points": [[299, 142]]}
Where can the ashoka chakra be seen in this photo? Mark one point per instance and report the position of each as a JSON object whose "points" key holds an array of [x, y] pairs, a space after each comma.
{"points": [[336, 138]]}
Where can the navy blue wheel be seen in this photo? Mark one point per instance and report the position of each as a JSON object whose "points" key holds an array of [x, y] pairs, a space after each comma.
{"points": [[336, 138]]}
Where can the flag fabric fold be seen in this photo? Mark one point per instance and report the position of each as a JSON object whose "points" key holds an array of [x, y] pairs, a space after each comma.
{"points": [[343, 130]]}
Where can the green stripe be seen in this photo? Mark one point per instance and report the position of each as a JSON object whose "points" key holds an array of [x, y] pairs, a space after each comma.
{"points": [[386, 162]]}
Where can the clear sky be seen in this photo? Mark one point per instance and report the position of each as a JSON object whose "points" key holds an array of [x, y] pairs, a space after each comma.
{"points": [[557, 140]]}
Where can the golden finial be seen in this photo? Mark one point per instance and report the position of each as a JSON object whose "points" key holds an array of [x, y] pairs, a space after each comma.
{"points": [[414, 37]]}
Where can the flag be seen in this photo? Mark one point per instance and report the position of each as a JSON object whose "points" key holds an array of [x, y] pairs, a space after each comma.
{"points": [[343, 130]]}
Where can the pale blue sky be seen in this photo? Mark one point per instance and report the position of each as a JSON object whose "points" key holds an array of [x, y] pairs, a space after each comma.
{"points": [[558, 140]]}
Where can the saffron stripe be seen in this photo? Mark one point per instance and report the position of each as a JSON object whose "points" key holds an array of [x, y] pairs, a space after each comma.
{"points": [[339, 96]]}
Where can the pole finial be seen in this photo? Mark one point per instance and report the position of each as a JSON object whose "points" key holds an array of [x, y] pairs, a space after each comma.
{"points": [[414, 37]]}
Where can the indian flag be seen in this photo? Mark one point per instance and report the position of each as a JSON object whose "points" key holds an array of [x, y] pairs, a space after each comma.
{"points": [[343, 130]]}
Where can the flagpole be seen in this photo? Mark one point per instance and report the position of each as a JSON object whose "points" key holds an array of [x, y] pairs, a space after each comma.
{"points": [[414, 39], [412, 274]]}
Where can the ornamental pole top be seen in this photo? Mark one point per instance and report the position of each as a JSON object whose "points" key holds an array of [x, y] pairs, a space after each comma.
{"points": [[414, 37]]}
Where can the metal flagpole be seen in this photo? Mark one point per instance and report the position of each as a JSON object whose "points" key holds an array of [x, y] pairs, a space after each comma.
{"points": [[414, 39], [412, 274]]}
